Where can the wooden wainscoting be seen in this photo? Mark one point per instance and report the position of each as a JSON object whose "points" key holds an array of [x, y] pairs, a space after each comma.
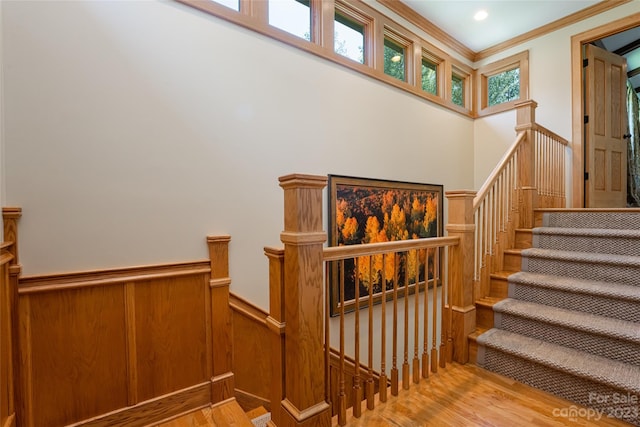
{"points": [[125, 346], [251, 354]]}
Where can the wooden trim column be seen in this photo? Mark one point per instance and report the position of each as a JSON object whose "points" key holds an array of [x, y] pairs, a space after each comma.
{"points": [[222, 381], [461, 224], [10, 217], [276, 324], [528, 200], [304, 401]]}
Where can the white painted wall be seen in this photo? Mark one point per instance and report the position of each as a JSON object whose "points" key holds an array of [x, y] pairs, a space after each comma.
{"points": [[2, 180], [135, 129], [493, 135]]}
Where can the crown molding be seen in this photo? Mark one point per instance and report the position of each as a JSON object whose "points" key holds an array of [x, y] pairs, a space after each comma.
{"points": [[432, 29], [428, 27]]}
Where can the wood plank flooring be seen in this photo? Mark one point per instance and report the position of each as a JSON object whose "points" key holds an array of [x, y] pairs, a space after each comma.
{"points": [[460, 395]]}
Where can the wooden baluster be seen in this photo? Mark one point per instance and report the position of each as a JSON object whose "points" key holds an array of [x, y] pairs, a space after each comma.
{"points": [[550, 164], [443, 329], [357, 390], [425, 338], [382, 384], [394, 363], [434, 312], [416, 321], [555, 166], [342, 398], [450, 316], [370, 388], [494, 218], [405, 363], [327, 334], [479, 233]]}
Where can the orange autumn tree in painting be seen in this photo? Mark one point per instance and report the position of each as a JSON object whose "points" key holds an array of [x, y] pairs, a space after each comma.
{"points": [[376, 214]]}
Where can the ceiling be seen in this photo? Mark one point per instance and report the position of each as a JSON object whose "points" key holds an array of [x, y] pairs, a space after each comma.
{"points": [[508, 19]]}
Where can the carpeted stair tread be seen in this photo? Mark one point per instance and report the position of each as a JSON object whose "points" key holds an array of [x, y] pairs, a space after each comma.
{"points": [[628, 220], [584, 257], [583, 265], [577, 363], [594, 232], [586, 322], [610, 241], [584, 286]]}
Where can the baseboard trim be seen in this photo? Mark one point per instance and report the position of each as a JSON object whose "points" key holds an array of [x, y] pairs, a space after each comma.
{"points": [[156, 410], [249, 401]]}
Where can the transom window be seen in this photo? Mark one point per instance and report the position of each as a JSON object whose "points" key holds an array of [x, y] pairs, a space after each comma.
{"points": [[503, 87], [348, 37], [292, 16], [503, 83], [394, 59], [429, 76], [358, 36], [231, 4], [457, 90]]}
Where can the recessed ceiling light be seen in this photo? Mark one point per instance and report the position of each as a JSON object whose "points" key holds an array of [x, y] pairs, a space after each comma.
{"points": [[480, 15], [396, 58]]}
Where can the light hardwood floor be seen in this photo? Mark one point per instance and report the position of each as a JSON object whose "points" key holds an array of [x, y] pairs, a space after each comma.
{"points": [[460, 395]]}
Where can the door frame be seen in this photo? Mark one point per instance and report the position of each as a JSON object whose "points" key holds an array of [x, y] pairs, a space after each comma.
{"points": [[577, 97]]}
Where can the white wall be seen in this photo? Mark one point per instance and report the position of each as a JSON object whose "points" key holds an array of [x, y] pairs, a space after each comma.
{"points": [[135, 129], [493, 135], [2, 180]]}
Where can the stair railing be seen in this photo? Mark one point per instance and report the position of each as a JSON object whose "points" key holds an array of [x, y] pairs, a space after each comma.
{"points": [[407, 333], [530, 175], [416, 293]]}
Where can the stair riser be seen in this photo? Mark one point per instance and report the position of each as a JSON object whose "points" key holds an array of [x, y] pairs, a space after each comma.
{"points": [[607, 220], [512, 261], [588, 244], [589, 393], [499, 287], [594, 304], [523, 239], [484, 316], [604, 346], [473, 351], [629, 275]]}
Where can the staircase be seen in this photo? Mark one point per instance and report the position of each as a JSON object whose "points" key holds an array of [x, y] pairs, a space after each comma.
{"points": [[571, 322]]}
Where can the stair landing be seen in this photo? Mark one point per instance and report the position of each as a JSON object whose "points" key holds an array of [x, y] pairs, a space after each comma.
{"points": [[469, 395]]}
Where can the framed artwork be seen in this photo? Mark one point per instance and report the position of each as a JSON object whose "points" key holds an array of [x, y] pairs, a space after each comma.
{"points": [[365, 210]]}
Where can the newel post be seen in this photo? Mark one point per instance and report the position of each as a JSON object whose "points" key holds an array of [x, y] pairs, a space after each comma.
{"points": [[461, 224], [222, 381], [304, 395], [525, 121]]}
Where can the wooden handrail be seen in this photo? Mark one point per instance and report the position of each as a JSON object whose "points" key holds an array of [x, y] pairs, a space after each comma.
{"points": [[547, 132], [335, 253], [530, 174], [495, 174]]}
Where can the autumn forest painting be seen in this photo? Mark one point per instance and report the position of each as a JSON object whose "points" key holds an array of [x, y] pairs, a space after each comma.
{"points": [[370, 211]]}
